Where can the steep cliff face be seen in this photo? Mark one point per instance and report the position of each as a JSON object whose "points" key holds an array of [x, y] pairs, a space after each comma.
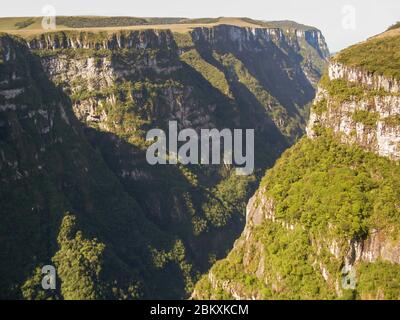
{"points": [[268, 62], [286, 64], [124, 92], [129, 82], [120, 40], [57, 195], [325, 220], [74, 111], [365, 113]]}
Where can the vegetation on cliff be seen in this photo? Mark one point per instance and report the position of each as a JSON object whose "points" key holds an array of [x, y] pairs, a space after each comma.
{"points": [[325, 221], [80, 195], [379, 55], [320, 187]]}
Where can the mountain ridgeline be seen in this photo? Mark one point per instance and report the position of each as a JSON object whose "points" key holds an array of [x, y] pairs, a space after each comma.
{"points": [[325, 222], [76, 190]]}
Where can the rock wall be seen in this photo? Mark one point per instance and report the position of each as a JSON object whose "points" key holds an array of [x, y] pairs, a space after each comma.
{"points": [[145, 39], [380, 100], [356, 75], [294, 42]]}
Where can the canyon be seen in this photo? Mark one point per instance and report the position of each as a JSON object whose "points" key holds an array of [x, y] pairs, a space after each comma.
{"points": [[77, 190], [324, 221], [318, 218]]}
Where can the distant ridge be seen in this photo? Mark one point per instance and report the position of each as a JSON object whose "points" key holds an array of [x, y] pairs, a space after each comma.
{"points": [[32, 25]]}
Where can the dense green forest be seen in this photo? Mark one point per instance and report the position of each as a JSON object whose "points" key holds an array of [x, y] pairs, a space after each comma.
{"points": [[328, 192]]}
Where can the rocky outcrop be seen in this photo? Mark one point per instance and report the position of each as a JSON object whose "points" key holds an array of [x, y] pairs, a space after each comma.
{"points": [[146, 39], [377, 129], [316, 39], [294, 42], [378, 246], [243, 38], [256, 38], [356, 75], [91, 63]]}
